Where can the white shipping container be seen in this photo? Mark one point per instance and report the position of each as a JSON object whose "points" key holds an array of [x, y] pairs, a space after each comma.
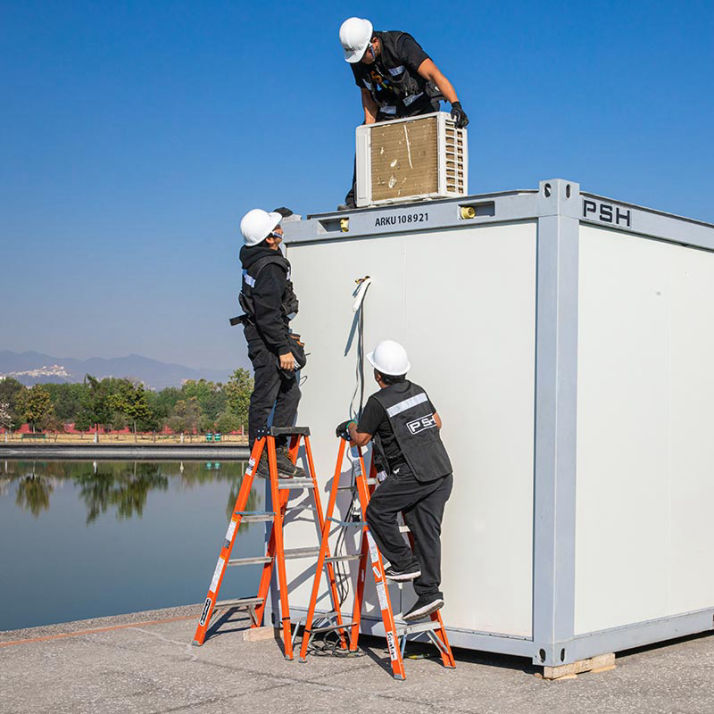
{"points": [[566, 341]]}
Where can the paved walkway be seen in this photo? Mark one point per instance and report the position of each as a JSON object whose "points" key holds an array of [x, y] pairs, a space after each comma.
{"points": [[144, 663]]}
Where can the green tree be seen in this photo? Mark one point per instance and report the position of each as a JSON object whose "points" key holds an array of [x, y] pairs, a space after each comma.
{"points": [[5, 415], [205, 423], [51, 422], [131, 401], [186, 416], [209, 395], [83, 420], [238, 390], [10, 393], [66, 399], [228, 422], [162, 403], [97, 407], [36, 405]]}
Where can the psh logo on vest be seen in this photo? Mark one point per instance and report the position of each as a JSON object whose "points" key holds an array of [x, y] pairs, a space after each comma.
{"points": [[426, 422]]}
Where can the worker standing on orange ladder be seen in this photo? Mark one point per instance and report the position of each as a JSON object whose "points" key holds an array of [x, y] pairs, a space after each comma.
{"points": [[269, 303], [405, 426]]}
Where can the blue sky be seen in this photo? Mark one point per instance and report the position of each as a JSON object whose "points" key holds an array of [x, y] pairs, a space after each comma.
{"points": [[134, 135]]}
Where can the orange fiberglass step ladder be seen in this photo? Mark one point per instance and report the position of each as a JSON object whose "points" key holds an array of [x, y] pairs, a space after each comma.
{"points": [[280, 490], [396, 634]]}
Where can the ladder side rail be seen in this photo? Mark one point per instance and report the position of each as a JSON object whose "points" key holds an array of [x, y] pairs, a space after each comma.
{"points": [[294, 448], [229, 540], [447, 656], [324, 549], [280, 550], [359, 593], [267, 574], [380, 582], [360, 482]]}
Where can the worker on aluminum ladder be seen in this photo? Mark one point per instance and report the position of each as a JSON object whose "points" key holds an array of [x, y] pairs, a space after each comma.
{"points": [[269, 303], [405, 427], [396, 77]]}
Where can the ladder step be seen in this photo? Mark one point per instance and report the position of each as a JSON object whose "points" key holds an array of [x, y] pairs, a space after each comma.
{"points": [[239, 602], [289, 430], [302, 552], [418, 627], [361, 524], [330, 628], [341, 558], [292, 484], [290, 553], [370, 482], [248, 561], [255, 516]]}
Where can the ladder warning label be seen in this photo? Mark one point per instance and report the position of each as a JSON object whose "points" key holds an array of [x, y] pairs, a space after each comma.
{"points": [[204, 614], [230, 531], [217, 574], [391, 644], [382, 596]]}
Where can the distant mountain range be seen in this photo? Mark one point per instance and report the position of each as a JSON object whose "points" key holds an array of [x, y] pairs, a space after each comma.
{"points": [[33, 367]]}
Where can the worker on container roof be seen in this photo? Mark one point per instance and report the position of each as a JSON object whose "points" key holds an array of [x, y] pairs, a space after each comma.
{"points": [[396, 77], [269, 303], [405, 427]]}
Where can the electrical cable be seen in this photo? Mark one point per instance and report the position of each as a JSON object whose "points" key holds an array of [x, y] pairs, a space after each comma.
{"points": [[327, 644], [358, 305]]}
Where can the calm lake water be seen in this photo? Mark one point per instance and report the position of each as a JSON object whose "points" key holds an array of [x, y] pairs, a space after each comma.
{"points": [[82, 539]]}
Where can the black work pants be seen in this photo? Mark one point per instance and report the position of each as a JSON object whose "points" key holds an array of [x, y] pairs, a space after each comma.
{"points": [[422, 504], [271, 389]]}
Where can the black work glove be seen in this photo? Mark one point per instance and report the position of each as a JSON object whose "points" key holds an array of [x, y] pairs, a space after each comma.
{"points": [[459, 115], [342, 429]]}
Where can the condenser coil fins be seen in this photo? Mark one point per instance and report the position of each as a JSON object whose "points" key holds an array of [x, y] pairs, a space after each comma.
{"points": [[410, 159]]}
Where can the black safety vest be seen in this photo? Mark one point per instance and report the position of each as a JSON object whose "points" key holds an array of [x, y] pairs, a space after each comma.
{"points": [[407, 85], [411, 416], [289, 301]]}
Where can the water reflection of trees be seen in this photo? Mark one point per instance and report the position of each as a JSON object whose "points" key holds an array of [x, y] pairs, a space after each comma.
{"points": [[33, 493], [122, 487]]}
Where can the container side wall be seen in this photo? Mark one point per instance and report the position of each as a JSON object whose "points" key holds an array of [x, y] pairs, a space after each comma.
{"points": [[463, 303], [645, 453]]}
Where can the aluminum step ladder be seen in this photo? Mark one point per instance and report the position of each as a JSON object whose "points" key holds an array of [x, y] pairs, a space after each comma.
{"points": [[275, 553], [396, 634]]}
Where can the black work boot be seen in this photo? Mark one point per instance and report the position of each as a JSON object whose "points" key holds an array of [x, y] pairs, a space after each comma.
{"points": [[424, 606], [262, 470], [410, 573], [286, 468]]}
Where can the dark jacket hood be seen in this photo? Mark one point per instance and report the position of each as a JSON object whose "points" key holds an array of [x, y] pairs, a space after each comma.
{"points": [[250, 254]]}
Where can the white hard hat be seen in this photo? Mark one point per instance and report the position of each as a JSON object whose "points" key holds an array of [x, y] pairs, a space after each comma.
{"points": [[257, 224], [389, 357], [355, 36]]}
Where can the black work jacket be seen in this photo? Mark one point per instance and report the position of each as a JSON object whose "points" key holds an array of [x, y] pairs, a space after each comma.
{"points": [[267, 296]]}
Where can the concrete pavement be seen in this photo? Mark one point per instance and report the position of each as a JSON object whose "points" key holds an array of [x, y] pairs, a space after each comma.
{"points": [[144, 662]]}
